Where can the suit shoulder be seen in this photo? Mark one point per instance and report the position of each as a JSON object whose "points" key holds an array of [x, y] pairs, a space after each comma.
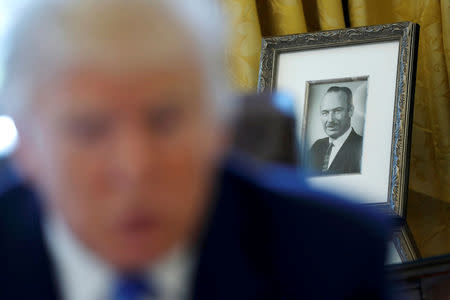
{"points": [[324, 212], [320, 142], [291, 201], [9, 201], [13, 197], [16, 205], [329, 237], [355, 136], [299, 228]]}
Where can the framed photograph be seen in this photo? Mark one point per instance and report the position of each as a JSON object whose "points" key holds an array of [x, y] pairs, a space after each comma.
{"points": [[402, 247], [353, 95]]}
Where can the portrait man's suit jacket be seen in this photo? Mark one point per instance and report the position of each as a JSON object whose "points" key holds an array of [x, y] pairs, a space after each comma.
{"points": [[269, 237], [347, 160]]}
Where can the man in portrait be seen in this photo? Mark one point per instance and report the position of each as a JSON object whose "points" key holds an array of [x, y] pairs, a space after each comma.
{"points": [[340, 152]]}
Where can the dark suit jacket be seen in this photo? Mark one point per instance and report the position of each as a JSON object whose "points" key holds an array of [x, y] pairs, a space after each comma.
{"points": [[347, 160], [269, 237], [8, 176]]}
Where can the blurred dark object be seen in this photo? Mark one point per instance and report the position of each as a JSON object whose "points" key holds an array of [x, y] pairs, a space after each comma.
{"points": [[265, 128], [8, 176]]}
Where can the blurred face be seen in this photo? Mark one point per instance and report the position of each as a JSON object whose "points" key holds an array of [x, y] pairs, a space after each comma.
{"points": [[335, 114], [126, 159]]}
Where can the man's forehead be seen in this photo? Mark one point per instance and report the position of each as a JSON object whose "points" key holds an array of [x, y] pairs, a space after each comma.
{"points": [[150, 74], [126, 84], [184, 67], [337, 98]]}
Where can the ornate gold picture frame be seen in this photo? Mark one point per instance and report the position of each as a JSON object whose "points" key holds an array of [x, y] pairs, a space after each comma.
{"points": [[370, 69]]}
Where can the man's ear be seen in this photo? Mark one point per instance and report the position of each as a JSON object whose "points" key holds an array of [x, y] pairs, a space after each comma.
{"points": [[350, 110]]}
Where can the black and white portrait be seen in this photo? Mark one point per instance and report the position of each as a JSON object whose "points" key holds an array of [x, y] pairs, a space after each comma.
{"points": [[334, 125], [350, 107]]}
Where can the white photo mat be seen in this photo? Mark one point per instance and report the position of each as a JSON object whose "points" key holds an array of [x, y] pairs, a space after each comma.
{"points": [[378, 61]]}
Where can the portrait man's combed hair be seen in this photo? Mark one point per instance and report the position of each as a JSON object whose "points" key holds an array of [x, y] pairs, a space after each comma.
{"points": [[334, 126]]}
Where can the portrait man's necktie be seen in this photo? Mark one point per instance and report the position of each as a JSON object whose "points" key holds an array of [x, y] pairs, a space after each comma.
{"points": [[133, 287], [326, 159]]}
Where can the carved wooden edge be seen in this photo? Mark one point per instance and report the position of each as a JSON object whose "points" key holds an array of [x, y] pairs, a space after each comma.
{"points": [[402, 124], [407, 35], [404, 244]]}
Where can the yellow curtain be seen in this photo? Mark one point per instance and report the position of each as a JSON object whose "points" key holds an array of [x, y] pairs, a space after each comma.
{"points": [[242, 55], [430, 152]]}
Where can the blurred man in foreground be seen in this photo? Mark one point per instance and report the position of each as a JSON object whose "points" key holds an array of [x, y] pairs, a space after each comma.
{"points": [[122, 115]]}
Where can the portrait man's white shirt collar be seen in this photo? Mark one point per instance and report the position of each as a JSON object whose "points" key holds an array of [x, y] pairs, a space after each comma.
{"points": [[338, 142], [77, 267]]}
